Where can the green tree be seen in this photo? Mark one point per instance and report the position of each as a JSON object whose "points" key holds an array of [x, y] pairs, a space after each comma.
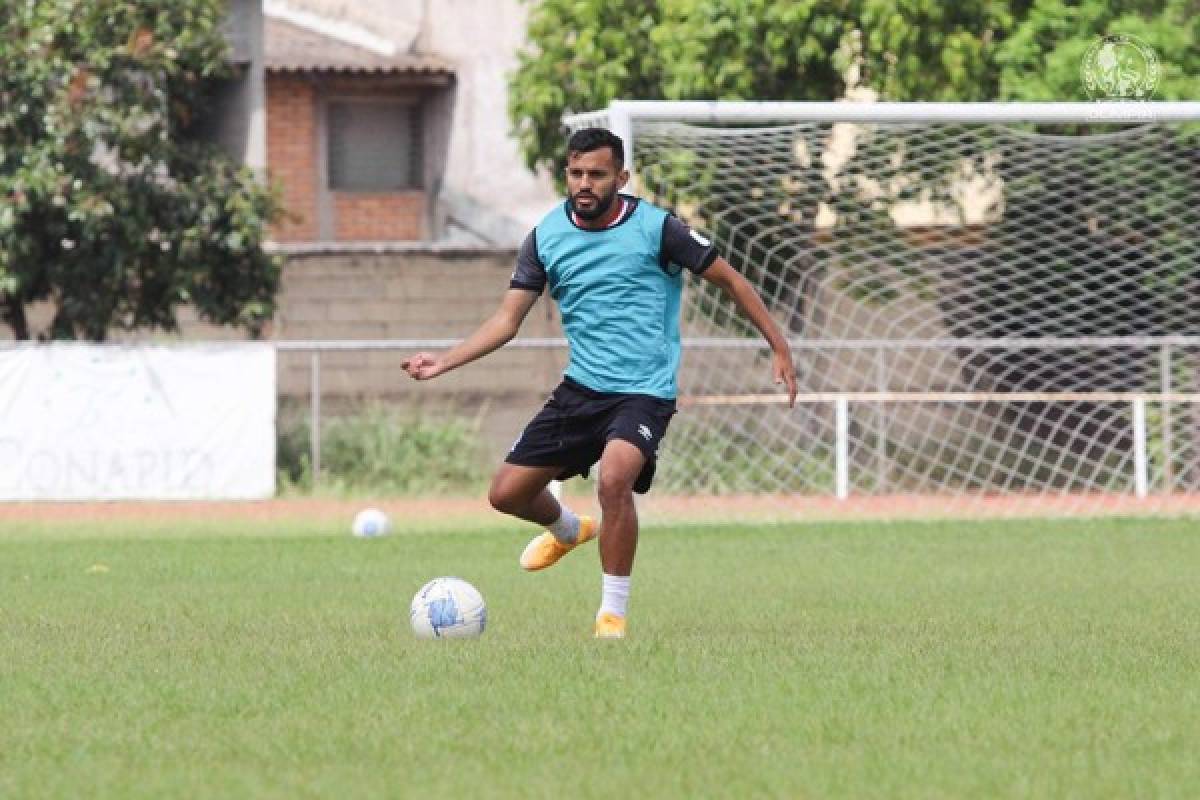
{"points": [[112, 211], [583, 56], [904, 49], [1040, 59], [584, 53]]}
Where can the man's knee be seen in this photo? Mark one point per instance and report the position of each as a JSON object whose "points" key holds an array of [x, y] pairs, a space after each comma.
{"points": [[614, 486], [504, 495]]}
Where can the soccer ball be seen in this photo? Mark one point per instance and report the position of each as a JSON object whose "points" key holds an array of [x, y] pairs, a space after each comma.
{"points": [[371, 522], [448, 608]]}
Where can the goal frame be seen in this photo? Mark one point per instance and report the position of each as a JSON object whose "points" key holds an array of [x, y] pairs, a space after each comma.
{"points": [[621, 115]]}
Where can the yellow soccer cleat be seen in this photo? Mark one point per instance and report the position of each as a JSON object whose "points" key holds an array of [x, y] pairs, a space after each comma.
{"points": [[545, 550], [610, 626]]}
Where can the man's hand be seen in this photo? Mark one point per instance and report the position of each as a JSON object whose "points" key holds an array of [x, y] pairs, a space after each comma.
{"points": [[721, 273], [785, 372], [424, 366], [497, 331]]}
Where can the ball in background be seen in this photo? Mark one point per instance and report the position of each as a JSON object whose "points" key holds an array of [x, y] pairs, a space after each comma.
{"points": [[370, 523], [448, 608]]}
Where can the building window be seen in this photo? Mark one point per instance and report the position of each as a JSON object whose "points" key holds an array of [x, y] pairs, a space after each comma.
{"points": [[374, 147]]}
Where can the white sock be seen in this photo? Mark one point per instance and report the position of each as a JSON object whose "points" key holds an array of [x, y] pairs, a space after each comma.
{"points": [[566, 527], [615, 596]]}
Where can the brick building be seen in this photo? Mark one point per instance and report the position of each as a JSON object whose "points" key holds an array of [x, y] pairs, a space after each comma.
{"points": [[386, 120], [356, 139]]}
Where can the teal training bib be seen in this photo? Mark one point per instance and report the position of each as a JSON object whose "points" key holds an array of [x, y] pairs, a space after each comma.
{"points": [[619, 306]]}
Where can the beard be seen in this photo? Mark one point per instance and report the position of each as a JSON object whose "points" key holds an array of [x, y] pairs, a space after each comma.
{"points": [[603, 204]]}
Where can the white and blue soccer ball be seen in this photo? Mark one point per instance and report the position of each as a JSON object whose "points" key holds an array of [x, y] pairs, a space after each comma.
{"points": [[370, 523], [448, 608]]}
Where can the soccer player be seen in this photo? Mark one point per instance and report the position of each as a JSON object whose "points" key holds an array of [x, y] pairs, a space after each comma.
{"points": [[614, 265]]}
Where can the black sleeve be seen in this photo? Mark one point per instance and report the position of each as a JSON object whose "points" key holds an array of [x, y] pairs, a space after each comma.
{"points": [[530, 272], [683, 246]]}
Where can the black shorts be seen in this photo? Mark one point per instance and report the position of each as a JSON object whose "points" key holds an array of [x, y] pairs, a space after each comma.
{"points": [[576, 423]]}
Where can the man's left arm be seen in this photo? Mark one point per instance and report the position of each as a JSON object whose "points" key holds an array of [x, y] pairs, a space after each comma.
{"points": [[722, 273]]}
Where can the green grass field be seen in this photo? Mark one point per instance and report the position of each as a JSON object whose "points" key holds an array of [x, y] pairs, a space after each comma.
{"points": [[998, 659]]}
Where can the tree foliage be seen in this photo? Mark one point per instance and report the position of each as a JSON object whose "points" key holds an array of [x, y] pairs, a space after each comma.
{"points": [[763, 50], [582, 54], [1040, 59], [113, 212]]}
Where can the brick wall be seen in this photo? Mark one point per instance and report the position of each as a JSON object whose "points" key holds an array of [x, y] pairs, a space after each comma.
{"points": [[371, 216], [292, 153]]}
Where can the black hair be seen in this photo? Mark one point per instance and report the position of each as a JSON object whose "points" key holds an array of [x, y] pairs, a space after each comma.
{"points": [[585, 140]]}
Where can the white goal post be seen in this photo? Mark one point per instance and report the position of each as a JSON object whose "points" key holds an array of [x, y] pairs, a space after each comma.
{"points": [[621, 115], [984, 299]]}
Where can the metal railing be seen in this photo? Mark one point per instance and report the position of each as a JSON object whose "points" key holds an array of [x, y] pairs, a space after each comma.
{"points": [[841, 401]]}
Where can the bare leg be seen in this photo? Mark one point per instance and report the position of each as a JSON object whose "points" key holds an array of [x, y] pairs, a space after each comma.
{"points": [[620, 465], [521, 492]]}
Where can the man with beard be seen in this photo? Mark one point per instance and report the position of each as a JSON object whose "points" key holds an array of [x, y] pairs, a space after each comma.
{"points": [[614, 265]]}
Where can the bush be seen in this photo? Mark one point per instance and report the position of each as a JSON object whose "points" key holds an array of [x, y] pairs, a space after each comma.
{"points": [[711, 459], [384, 452]]}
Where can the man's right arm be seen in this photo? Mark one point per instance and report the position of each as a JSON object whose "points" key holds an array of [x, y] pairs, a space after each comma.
{"points": [[496, 332]]}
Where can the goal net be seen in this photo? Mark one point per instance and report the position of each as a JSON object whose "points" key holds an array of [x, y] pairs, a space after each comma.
{"points": [[989, 305]]}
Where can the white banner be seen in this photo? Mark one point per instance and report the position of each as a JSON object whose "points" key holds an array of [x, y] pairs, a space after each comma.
{"points": [[109, 422]]}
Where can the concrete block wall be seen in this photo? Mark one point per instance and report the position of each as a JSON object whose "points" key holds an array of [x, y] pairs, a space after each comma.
{"points": [[398, 292]]}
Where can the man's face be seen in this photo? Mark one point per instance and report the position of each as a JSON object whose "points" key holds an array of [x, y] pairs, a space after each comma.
{"points": [[593, 181]]}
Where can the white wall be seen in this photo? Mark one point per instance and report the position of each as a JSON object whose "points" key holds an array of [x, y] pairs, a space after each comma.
{"points": [[240, 124], [482, 37]]}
